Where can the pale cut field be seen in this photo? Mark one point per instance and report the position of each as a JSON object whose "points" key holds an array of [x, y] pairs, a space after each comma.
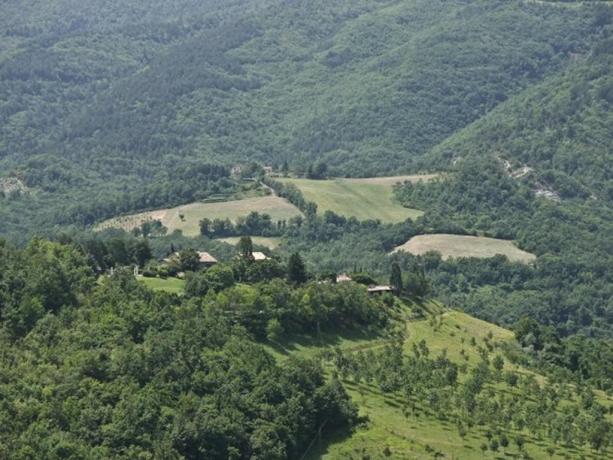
{"points": [[453, 246], [277, 208], [369, 198], [269, 242]]}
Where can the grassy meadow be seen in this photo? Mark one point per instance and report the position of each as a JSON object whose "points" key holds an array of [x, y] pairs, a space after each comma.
{"points": [[393, 431], [170, 285], [453, 246], [369, 198], [187, 217]]}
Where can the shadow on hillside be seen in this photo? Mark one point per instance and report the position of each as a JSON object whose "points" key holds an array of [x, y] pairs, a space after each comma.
{"points": [[355, 338], [330, 437]]}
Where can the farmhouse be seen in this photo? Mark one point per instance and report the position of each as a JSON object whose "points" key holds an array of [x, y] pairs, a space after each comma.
{"points": [[268, 170], [377, 290], [343, 278], [257, 256], [206, 259]]}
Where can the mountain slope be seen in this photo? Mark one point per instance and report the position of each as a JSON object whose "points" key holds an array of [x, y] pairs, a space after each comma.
{"points": [[406, 423], [331, 79], [558, 131], [105, 97]]}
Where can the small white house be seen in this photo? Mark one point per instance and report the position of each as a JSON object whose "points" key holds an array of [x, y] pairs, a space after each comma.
{"points": [[257, 256]]}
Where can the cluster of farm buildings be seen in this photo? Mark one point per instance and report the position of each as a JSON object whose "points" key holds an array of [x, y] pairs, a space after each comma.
{"points": [[206, 260], [373, 289]]}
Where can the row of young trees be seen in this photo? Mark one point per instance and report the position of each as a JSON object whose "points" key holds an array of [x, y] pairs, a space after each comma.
{"points": [[466, 396], [292, 194], [412, 284]]}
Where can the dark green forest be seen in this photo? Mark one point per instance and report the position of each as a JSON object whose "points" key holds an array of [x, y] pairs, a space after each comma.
{"points": [[560, 128], [99, 102], [110, 369]]}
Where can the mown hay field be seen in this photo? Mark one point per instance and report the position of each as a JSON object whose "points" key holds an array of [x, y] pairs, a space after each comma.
{"points": [[187, 217], [368, 198], [454, 246]]}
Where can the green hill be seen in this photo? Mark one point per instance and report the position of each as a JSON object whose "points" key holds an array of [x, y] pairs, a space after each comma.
{"points": [[113, 112], [255, 361], [404, 427], [537, 170]]}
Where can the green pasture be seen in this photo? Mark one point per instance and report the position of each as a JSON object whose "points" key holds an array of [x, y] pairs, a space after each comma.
{"points": [[360, 198]]}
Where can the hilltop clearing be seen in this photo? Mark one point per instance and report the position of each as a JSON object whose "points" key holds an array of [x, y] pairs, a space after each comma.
{"points": [[366, 198], [170, 285], [187, 217], [453, 246]]}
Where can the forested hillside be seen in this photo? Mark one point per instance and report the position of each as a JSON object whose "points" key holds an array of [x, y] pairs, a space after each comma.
{"points": [[102, 99], [556, 135], [536, 169], [256, 359]]}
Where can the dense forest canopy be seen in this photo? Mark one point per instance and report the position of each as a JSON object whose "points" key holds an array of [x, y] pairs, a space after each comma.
{"points": [[120, 371], [560, 129], [102, 99]]}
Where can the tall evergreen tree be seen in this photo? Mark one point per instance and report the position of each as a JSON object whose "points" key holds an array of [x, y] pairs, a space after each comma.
{"points": [[245, 247], [296, 270], [142, 252], [396, 278], [205, 227], [320, 170]]}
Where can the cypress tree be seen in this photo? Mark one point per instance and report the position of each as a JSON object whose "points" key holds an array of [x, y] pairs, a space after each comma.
{"points": [[396, 278], [245, 247], [296, 271]]}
